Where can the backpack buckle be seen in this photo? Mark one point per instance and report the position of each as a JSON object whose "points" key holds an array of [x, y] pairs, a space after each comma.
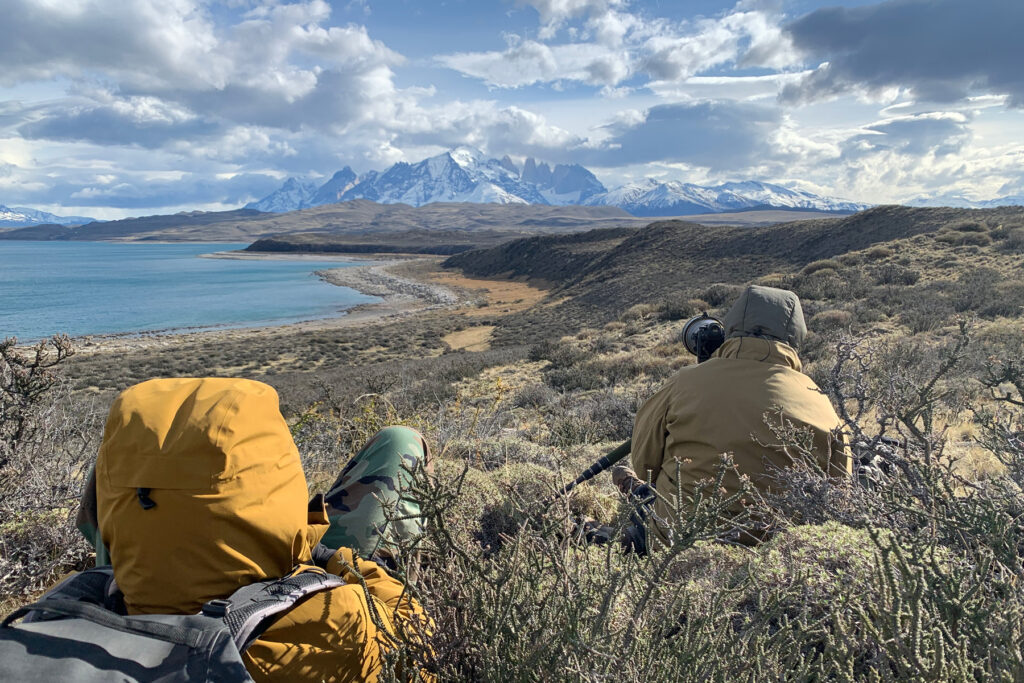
{"points": [[218, 608]]}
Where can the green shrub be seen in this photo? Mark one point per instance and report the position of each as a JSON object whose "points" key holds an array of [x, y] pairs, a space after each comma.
{"points": [[721, 294], [969, 226], [977, 239], [878, 253], [676, 309], [823, 264], [822, 284], [1013, 242], [976, 289], [893, 274]]}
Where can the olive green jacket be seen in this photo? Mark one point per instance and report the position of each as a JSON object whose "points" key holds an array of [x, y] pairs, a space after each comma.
{"points": [[720, 406]]}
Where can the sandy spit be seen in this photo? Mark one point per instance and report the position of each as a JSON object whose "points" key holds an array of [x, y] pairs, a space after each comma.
{"points": [[400, 295]]}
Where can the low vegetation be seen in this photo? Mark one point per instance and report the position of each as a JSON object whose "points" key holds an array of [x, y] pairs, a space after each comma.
{"points": [[909, 570]]}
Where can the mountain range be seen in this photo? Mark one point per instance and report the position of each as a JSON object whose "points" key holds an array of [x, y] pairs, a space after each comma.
{"points": [[465, 174], [20, 216], [962, 202]]}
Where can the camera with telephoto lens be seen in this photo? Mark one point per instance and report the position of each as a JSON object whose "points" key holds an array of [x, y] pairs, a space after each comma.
{"points": [[702, 335]]}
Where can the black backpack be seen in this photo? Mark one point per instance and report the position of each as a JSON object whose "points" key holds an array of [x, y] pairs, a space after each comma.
{"points": [[78, 632]]}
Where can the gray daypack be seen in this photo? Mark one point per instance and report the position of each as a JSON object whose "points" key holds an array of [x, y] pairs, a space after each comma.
{"points": [[78, 632]]}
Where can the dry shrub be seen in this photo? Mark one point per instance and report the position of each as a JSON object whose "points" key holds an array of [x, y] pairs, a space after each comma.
{"points": [[830, 321], [48, 441], [534, 395], [639, 312]]}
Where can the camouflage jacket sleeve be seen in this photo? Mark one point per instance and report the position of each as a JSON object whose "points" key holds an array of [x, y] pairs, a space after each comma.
{"points": [[649, 433]]}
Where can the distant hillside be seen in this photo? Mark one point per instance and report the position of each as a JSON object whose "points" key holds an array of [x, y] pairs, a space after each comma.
{"points": [[359, 217], [443, 242], [185, 226], [599, 274]]}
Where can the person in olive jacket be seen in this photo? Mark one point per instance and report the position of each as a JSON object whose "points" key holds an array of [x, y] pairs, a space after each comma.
{"points": [[721, 406]]}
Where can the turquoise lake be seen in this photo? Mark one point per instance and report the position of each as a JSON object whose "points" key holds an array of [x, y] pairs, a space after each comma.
{"points": [[83, 288]]}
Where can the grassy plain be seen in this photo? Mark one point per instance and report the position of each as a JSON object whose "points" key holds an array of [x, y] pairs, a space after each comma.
{"points": [[911, 571]]}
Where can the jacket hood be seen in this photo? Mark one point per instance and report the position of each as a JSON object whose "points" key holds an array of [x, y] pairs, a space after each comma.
{"points": [[767, 312], [762, 350], [217, 461]]}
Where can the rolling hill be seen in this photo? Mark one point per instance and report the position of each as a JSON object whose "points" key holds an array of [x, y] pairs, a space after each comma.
{"points": [[597, 275]]}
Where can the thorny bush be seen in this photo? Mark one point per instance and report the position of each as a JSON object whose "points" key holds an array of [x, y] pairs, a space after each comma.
{"points": [[908, 570], [47, 443]]}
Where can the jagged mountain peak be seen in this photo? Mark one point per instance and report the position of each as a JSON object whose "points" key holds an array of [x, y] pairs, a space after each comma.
{"points": [[333, 190], [509, 165], [466, 174], [466, 156]]}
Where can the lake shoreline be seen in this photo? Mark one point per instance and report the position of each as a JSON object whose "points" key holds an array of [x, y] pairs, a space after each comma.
{"points": [[409, 292]]}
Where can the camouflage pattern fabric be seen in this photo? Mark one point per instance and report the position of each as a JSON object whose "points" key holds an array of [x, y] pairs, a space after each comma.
{"points": [[369, 504], [87, 520]]}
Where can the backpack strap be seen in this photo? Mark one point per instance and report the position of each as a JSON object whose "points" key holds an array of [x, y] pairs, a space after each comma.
{"points": [[181, 635], [95, 586], [250, 609]]}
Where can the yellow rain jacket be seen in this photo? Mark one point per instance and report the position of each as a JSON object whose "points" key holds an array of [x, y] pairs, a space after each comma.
{"points": [[200, 490], [720, 406]]}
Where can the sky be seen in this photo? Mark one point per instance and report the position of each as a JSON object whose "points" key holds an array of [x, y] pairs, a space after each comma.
{"points": [[115, 108]]}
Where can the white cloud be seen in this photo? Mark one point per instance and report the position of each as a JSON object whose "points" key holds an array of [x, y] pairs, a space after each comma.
{"points": [[529, 62], [918, 135], [554, 13], [279, 66], [612, 45], [484, 124]]}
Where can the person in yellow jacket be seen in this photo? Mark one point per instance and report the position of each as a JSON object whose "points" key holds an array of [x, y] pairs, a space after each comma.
{"points": [[198, 490], [721, 406]]}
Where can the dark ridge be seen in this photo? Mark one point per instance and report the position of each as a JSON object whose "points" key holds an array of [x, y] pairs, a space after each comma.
{"points": [[277, 245], [131, 227], [45, 232]]}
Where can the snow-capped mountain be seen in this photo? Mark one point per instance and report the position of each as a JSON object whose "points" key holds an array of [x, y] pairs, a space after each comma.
{"points": [[294, 194], [672, 198], [304, 193], [332, 191], [19, 217], [962, 202], [465, 174]]}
